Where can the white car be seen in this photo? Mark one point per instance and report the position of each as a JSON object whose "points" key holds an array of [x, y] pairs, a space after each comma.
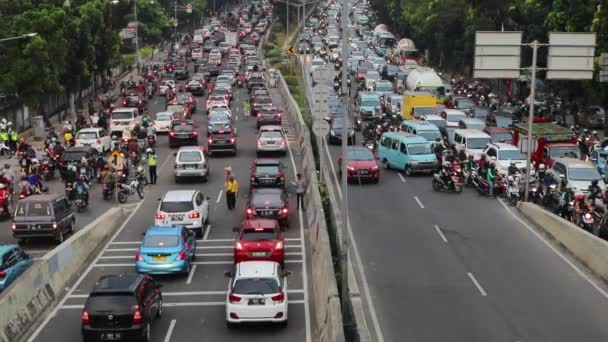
{"points": [[503, 154], [316, 63], [196, 54], [162, 121], [472, 141], [453, 116], [188, 208], [97, 138], [257, 293], [271, 138], [166, 85], [578, 173]]}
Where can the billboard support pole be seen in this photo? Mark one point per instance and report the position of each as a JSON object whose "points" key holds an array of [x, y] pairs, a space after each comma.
{"points": [[531, 118]]}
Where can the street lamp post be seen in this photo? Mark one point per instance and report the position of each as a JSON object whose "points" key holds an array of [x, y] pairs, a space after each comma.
{"points": [[136, 35]]}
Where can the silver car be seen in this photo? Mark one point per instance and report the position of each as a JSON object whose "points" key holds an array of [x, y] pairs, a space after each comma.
{"points": [[191, 161], [271, 139]]}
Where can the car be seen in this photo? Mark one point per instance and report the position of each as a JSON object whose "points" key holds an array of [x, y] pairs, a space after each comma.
{"points": [[13, 262], [578, 173], [218, 121], [267, 173], [195, 87], [121, 307], [257, 293], [186, 99], [74, 155], [271, 138], [191, 161], [361, 165], [188, 208], [123, 118], [43, 216], [162, 121], [499, 134], [97, 138], [166, 250], [259, 239], [337, 126], [134, 100], [503, 154], [472, 141], [268, 115], [453, 116], [258, 92], [268, 203], [464, 104], [317, 62], [222, 141], [181, 73], [178, 110], [183, 133], [196, 54]]}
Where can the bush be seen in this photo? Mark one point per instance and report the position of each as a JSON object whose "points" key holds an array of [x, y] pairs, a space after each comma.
{"points": [[128, 59], [146, 52], [292, 81]]}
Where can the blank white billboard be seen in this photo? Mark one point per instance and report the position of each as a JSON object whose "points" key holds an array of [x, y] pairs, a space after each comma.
{"points": [[497, 54], [571, 55]]}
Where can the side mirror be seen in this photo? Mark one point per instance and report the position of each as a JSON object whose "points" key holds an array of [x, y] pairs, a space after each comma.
{"points": [[159, 199], [286, 273], [228, 274], [143, 233], [235, 229]]}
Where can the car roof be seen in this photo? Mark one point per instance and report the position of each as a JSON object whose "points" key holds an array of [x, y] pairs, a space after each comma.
{"points": [[266, 191], [497, 129], [421, 124], [164, 113], [267, 161], [449, 111], [179, 195], [165, 231], [252, 269], [432, 117], [404, 135], [504, 146], [117, 282], [41, 198], [91, 129], [471, 133], [574, 162], [269, 128]]}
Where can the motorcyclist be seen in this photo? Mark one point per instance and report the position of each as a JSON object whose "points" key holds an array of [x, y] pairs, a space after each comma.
{"points": [[542, 172], [580, 205], [142, 134], [446, 173], [594, 191], [490, 177], [82, 185], [462, 155], [25, 184], [566, 197], [151, 132], [513, 169], [34, 179]]}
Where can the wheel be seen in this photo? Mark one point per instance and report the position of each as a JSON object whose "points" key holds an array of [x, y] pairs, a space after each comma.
{"points": [[385, 164], [457, 189], [231, 325], [159, 313], [144, 181], [122, 197], [60, 237], [6, 153], [140, 191], [188, 269], [513, 201], [146, 337], [436, 185], [407, 170], [199, 232]]}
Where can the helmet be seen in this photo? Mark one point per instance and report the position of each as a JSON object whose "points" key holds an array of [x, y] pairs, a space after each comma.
{"points": [[580, 197], [513, 163], [447, 164], [2, 186], [53, 140], [594, 182], [21, 140], [510, 178], [594, 132], [149, 150], [541, 167]]}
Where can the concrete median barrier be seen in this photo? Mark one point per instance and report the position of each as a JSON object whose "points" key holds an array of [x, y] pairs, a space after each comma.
{"points": [[43, 284], [586, 248]]}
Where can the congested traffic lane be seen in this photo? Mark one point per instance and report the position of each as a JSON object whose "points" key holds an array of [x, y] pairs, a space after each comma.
{"points": [[460, 267], [195, 303]]}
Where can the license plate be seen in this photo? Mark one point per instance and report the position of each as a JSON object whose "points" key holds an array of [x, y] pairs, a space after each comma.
{"points": [[159, 258], [270, 142], [363, 172], [191, 167], [257, 301], [221, 142], [86, 145], [110, 336], [258, 254], [267, 213], [177, 218], [267, 181]]}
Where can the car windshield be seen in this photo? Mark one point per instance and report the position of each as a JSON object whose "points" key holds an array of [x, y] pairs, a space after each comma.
{"points": [[477, 143], [583, 174], [372, 102], [317, 62], [258, 235], [419, 149], [176, 207], [183, 127], [122, 116], [258, 200], [360, 155], [384, 87], [266, 169], [218, 117], [74, 155], [465, 104], [111, 302], [564, 152], [438, 123], [189, 156], [502, 136], [163, 117], [133, 98], [419, 111], [87, 135], [481, 112], [430, 135], [256, 286], [456, 117], [511, 155], [161, 241], [33, 209], [271, 134]]}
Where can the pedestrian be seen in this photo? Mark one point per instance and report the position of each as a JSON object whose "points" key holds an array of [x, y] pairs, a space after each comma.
{"points": [[152, 160], [232, 187], [300, 191]]}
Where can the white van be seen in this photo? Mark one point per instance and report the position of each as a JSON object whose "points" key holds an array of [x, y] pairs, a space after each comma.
{"points": [[122, 118], [472, 141]]}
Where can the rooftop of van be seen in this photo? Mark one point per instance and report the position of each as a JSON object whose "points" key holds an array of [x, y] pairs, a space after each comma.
{"points": [[469, 133], [421, 125], [404, 135]]}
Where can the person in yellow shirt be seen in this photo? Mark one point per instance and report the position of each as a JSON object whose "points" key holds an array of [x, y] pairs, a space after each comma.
{"points": [[232, 187]]}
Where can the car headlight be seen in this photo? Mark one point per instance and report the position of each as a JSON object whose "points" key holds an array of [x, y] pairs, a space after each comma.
{"points": [[414, 162]]}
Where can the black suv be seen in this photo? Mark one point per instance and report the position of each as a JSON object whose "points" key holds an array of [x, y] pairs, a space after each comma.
{"points": [[183, 133], [267, 173], [222, 141], [121, 307], [268, 203], [74, 155], [45, 216]]}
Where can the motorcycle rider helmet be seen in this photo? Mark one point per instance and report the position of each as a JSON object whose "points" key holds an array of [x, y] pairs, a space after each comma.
{"points": [[512, 163], [594, 182], [2, 186], [53, 140], [510, 178], [447, 164], [580, 197], [21, 140], [541, 167], [149, 150]]}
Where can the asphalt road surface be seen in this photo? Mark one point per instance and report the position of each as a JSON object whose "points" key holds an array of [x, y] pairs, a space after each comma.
{"points": [[445, 267], [194, 305]]}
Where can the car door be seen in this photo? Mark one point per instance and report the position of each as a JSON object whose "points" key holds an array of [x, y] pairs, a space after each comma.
{"points": [[23, 261], [59, 213], [404, 158]]}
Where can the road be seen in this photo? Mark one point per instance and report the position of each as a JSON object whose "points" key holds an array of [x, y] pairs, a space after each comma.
{"points": [[194, 305], [446, 267]]}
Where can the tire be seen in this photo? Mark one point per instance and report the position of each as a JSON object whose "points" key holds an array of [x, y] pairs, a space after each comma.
{"points": [[436, 185], [385, 164], [199, 232], [146, 337], [6, 153], [408, 171], [513, 201], [458, 189], [188, 269], [159, 313], [144, 181], [140, 191], [122, 197], [60, 238]]}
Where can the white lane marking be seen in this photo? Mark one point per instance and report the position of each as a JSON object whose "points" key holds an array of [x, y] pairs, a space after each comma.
{"points": [[207, 232], [559, 253], [170, 330], [219, 196], [402, 178], [304, 264], [193, 263], [167, 305], [37, 251], [48, 318], [353, 245], [441, 234], [126, 243], [190, 293], [474, 280], [419, 203], [190, 276]]}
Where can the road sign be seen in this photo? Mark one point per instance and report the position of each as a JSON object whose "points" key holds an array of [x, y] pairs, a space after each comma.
{"points": [[603, 60], [291, 49], [603, 76], [320, 127], [571, 56], [497, 54], [189, 8]]}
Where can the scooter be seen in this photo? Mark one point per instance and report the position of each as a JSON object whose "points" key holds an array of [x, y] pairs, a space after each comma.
{"points": [[513, 191], [108, 191], [5, 151], [5, 203], [80, 198], [455, 185], [129, 189], [151, 140], [587, 221]]}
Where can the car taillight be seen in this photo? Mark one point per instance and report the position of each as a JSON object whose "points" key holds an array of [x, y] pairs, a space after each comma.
{"points": [[137, 317], [279, 246], [284, 210], [13, 226], [232, 140], [182, 255], [259, 115], [210, 141], [161, 216], [194, 215], [278, 115], [239, 246], [172, 133], [283, 142], [194, 133], [139, 257], [124, 102], [84, 317], [232, 298], [259, 142], [55, 225], [279, 298], [249, 211]]}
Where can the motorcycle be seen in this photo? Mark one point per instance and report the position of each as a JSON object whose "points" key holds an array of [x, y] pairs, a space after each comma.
{"points": [[80, 198], [141, 175], [129, 189], [151, 140], [587, 221], [439, 184], [48, 170], [69, 191], [5, 151], [5, 203], [108, 191], [142, 144], [336, 85], [513, 191]]}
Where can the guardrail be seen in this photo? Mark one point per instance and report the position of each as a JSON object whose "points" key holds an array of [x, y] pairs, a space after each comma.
{"points": [[37, 290]]}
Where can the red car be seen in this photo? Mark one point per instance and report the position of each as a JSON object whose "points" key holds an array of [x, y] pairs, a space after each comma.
{"points": [[361, 165], [259, 239]]}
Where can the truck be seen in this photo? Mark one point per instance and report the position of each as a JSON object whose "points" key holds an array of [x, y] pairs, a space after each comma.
{"points": [[405, 51], [417, 103], [426, 79], [549, 142], [383, 39]]}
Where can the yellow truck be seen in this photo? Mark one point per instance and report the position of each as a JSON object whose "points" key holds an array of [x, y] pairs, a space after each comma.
{"points": [[417, 103]]}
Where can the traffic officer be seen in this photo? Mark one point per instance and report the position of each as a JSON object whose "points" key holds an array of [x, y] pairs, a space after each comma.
{"points": [[152, 160], [4, 136], [232, 187], [13, 138]]}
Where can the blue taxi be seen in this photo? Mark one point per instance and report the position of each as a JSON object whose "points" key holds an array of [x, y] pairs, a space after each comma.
{"points": [[219, 121], [166, 250], [14, 261]]}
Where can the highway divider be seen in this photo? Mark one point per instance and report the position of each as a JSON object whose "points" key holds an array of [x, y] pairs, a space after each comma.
{"points": [[39, 289], [587, 248], [328, 314]]}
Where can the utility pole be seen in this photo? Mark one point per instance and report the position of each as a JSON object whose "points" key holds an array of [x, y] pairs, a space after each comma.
{"points": [[138, 54], [531, 119], [175, 25]]}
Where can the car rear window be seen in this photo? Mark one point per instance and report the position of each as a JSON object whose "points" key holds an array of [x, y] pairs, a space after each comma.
{"points": [[163, 117], [176, 207], [73, 155], [259, 200], [266, 169], [111, 302], [189, 156], [270, 134], [122, 115], [256, 286], [221, 135], [161, 241], [87, 135], [183, 127], [263, 234], [33, 209]]}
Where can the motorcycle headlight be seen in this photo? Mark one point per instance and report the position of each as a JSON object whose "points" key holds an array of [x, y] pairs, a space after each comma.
{"points": [[332, 132]]}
